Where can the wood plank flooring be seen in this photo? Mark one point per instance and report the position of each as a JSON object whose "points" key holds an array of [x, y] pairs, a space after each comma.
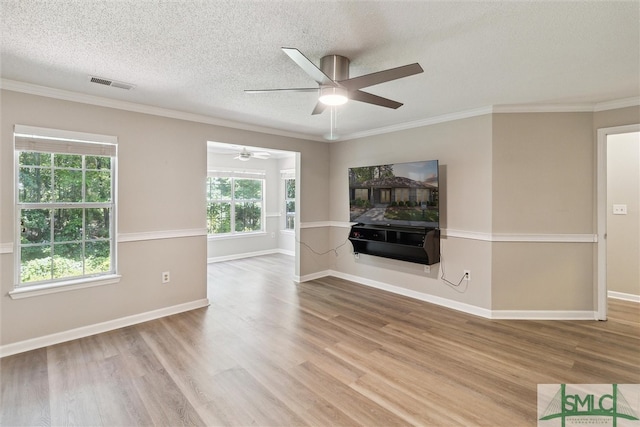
{"points": [[328, 352]]}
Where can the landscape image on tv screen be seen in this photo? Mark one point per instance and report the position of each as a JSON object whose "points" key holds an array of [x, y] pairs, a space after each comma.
{"points": [[395, 194]]}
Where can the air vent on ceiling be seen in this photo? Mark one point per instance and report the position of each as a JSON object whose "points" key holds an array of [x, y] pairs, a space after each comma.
{"points": [[112, 83]]}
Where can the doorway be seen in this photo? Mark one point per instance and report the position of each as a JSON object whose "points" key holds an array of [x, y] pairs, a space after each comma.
{"points": [[618, 228], [270, 200]]}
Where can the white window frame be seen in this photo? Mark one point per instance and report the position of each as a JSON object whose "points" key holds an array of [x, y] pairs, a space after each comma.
{"points": [[37, 139], [233, 175], [285, 175]]}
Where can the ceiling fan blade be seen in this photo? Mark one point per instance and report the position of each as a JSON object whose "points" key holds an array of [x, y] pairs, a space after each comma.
{"points": [[358, 95], [381, 76], [308, 66], [319, 108], [297, 89]]}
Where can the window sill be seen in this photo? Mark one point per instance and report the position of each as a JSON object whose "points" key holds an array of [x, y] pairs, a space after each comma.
{"points": [[64, 286]]}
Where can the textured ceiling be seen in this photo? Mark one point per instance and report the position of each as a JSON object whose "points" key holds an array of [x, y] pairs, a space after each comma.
{"points": [[199, 56]]}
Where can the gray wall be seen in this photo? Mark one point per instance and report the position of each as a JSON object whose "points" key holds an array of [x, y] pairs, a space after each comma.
{"points": [[502, 176], [543, 178], [518, 206], [162, 168], [464, 151]]}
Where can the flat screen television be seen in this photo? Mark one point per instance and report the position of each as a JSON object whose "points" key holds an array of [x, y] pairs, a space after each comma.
{"points": [[395, 194]]}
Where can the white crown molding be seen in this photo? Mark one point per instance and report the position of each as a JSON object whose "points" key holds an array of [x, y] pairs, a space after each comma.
{"points": [[66, 95], [520, 108], [97, 328], [419, 123], [568, 108], [544, 108], [33, 89], [618, 103], [158, 235]]}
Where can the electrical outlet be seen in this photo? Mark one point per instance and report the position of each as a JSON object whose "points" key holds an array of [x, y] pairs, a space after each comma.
{"points": [[427, 269], [467, 274], [166, 277]]}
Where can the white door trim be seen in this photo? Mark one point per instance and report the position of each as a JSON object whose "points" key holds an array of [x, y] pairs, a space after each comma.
{"points": [[601, 213]]}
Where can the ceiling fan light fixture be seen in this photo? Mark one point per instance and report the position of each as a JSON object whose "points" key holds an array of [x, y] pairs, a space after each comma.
{"points": [[331, 95]]}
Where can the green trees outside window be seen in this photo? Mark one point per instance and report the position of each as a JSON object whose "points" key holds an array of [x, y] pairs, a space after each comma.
{"points": [[234, 205], [290, 203], [65, 205]]}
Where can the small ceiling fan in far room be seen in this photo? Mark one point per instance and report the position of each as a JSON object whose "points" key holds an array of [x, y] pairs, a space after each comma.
{"points": [[245, 155], [334, 85]]}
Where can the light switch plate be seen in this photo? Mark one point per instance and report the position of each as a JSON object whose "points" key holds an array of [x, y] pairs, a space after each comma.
{"points": [[619, 209]]}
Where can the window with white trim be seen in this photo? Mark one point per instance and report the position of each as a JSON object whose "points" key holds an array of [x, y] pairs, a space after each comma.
{"points": [[65, 206], [289, 182], [235, 201]]}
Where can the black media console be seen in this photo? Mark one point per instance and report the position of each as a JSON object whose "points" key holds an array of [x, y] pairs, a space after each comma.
{"points": [[414, 244]]}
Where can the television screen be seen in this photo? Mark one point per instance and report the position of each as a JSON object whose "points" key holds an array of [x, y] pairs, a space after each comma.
{"points": [[395, 194]]}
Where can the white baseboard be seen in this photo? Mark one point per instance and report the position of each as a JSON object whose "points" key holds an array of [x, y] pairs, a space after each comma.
{"points": [[460, 306], [544, 315], [85, 331], [623, 296], [249, 255], [456, 305], [313, 276]]}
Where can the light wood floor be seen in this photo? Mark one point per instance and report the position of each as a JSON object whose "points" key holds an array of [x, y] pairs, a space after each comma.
{"points": [[327, 352]]}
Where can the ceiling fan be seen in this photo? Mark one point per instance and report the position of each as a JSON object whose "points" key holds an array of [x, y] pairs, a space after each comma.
{"points": [[334, 85], [245, 155]]}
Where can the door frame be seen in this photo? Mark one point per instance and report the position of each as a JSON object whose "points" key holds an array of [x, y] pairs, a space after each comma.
{"points": [[601, 214]]}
